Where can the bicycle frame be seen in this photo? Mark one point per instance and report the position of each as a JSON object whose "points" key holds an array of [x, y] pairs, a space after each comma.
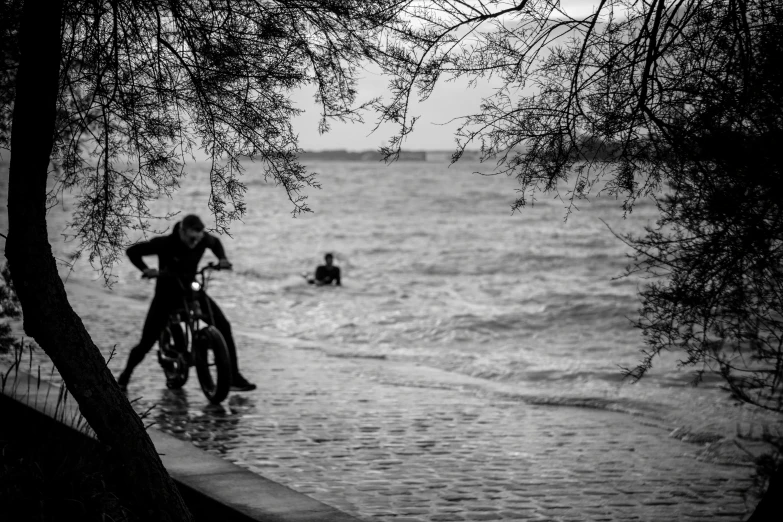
{"points": [[190, 313], [193, 297]]}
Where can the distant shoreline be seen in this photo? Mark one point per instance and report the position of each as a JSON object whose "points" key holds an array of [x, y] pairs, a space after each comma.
{"points": [[374, 155]]}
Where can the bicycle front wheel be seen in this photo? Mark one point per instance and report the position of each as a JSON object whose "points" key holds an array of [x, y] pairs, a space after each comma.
{"points": [[171, 355], [213, 365]]}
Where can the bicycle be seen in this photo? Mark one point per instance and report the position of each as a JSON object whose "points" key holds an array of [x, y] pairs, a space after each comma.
{"points": [[185, 343]]}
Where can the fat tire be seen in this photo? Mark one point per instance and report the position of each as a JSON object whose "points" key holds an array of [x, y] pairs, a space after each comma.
{"points": [[207, 340], [176, 378]]}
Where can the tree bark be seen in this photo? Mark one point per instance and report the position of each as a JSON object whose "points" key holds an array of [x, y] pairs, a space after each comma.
{"points": [[770, 507], [144, 484]]}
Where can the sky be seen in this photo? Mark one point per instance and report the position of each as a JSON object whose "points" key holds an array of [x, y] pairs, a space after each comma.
{"points": [[436, 126], [433, 131]]}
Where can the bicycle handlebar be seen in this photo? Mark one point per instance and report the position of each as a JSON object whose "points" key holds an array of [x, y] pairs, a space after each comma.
{"points": [[208, 266]]}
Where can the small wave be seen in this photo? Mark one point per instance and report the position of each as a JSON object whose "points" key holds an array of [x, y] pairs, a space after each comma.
{"points": [[356, 355], [439, 269], [615, 376], [138, 296], [381, 251], [559, 394], [585, 319], [466, 328], [627, 406], [479, 324], [252, 273], [611, 314]]}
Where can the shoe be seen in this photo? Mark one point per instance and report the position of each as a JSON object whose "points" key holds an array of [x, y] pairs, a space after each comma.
{"points": [[240, 384]]}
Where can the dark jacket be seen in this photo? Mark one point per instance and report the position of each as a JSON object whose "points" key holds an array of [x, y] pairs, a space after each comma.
{"points": [[327, 275], [174, 256]]}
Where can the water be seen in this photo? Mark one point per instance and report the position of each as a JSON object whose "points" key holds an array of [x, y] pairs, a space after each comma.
{"points": [[436, 269], [434, 266]]}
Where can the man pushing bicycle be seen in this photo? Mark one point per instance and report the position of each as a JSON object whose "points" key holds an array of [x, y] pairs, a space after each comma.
{"points": [[178, 256]]}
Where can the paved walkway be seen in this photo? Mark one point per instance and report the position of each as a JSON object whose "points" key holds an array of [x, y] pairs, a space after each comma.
{"points": [[393, 442]]}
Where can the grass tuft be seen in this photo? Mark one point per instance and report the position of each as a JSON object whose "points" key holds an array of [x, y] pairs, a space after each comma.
{"points": [[47, 475]]}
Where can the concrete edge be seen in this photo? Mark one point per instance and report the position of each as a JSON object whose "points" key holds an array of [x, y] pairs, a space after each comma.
{"points": [[213, 488]]}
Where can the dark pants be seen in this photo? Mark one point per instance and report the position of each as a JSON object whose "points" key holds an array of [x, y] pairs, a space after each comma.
{"points": [[157, 317]]}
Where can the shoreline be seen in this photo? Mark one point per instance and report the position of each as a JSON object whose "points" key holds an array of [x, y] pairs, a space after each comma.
{"points": [[717, 434], [381, 439]]}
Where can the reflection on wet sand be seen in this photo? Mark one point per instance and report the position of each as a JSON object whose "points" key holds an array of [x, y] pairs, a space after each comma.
{"points": [[212, 427]]}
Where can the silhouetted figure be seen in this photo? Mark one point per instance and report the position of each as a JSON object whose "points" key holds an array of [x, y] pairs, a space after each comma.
{"points": [[326, 274], [178, 256]]}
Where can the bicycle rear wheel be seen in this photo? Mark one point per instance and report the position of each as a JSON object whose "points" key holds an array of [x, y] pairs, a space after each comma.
{"points": [[171, 356], [213, 365]]}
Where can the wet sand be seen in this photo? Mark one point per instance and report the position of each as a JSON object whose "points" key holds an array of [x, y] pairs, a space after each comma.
{"points": [[393, 441]]}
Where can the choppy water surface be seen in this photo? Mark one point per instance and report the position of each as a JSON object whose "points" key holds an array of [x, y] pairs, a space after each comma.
{"points": [[436, 269]]}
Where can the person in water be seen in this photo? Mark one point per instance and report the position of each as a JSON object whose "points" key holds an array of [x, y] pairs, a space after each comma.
{"points": [[178, 255], [326, 274]]}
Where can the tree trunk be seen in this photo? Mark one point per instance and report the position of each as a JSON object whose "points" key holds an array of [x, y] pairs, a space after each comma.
{"points": [[145, 486], [769, 509]]}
